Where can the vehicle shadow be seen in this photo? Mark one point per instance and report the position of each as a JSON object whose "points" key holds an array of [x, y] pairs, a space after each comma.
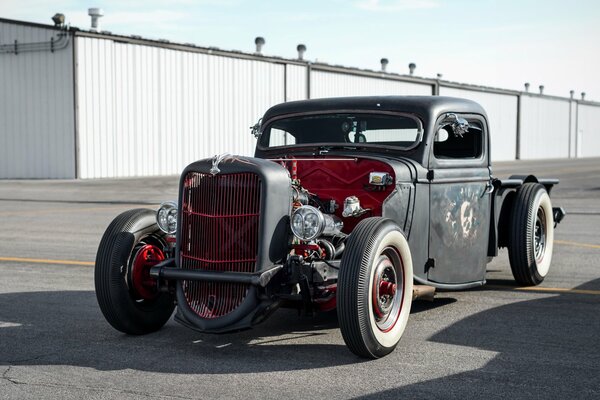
{"points": [[67, 328], [548, 347]]}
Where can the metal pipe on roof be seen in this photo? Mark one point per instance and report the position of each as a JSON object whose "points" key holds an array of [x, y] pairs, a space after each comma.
{"points": [[384, 63], [301, 50], [259, 42], [96, 14], [411, 68]]}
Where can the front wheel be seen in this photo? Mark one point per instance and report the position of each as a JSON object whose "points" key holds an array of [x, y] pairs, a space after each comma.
{"points": [[375, 286], [127, 295]]}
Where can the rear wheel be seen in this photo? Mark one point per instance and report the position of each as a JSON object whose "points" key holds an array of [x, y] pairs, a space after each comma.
{"points": [[128, 296], [532, 234], [375, 285]]}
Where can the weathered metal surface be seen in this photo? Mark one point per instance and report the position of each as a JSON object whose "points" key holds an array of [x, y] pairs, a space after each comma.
{"points": [[423, 292], [460, 215]]}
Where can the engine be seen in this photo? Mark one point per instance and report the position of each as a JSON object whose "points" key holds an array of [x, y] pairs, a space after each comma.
{"points": [[329, 197], [253, 234]]}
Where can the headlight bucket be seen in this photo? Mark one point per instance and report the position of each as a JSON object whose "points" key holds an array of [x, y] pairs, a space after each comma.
{"points": [[166, 217], [309, 223]]}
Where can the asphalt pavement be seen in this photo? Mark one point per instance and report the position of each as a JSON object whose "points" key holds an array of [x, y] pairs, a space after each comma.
{"points": [[499, 341]]}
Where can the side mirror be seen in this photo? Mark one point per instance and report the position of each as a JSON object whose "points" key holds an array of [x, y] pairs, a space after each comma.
{"points": [[459, 125]]}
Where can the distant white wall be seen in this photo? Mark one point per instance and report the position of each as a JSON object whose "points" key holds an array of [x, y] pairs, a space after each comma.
{"points": [[573, 128], [544, 127], [296, 85], [146, 110], [37, 123], [502, 118], [588, 127], [335, 84]]}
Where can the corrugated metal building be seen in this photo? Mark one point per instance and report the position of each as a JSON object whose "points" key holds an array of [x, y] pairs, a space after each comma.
{"points": [[80, 104]]}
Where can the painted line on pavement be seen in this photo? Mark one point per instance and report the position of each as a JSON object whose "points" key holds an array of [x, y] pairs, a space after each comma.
{"points": [[46, 261], [107, 207], [540, 289], [578, 244]]}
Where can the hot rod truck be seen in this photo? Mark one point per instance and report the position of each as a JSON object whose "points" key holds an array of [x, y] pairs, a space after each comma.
{"points": [[346, 203]]}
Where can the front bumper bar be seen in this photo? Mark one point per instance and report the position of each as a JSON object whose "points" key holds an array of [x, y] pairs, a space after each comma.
{"points": [[168, 270]]}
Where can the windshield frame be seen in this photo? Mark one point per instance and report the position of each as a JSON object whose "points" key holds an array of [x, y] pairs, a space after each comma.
{"points": [[420, 131]]}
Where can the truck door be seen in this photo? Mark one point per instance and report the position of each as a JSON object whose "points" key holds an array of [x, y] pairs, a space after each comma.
{"points": [[459, 179]]}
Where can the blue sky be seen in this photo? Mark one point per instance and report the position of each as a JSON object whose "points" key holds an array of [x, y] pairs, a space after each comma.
{"points": [[494, 43]]}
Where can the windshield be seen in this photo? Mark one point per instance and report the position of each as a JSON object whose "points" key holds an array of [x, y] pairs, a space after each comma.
{"points": [[346, 129]]}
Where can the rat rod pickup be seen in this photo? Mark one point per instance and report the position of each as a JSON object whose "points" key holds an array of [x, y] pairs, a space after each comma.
{"points": [[346, 204]]}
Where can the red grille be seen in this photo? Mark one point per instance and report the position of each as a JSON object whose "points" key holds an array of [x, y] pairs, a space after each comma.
{"points": [[219, 232]]}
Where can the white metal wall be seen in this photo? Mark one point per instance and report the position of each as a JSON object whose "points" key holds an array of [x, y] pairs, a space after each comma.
{"points": [[334, 84], [296, 85], [145, 110], [37, 125], [502, 117], [588, 130], [148, 110], [544, 127], [573, 128]]}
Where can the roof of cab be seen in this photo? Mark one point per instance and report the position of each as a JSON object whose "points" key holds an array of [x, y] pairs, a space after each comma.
{"points": [[425, 106]]}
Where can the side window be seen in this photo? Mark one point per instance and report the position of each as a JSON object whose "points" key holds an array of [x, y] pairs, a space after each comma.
{"points": [[448, 145], [279, 137]]}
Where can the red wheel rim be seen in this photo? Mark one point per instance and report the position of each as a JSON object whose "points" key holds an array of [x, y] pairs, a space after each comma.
{"points": [[142, 283], [388, 289]]}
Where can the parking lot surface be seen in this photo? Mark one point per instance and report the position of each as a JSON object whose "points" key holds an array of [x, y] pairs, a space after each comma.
{"points": [[499, 341]]}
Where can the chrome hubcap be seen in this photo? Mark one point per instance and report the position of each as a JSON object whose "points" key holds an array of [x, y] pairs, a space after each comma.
{"points": [[539, 235]]}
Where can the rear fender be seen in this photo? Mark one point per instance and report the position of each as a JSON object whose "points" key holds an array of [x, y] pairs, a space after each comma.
{"points": [[505, 190]]}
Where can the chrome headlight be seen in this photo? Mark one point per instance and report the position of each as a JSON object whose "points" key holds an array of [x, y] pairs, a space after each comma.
{"points": [[308, 223], [166, 217]]}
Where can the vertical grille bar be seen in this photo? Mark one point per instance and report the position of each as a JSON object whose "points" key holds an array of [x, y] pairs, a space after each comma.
{"points": [[219, 232]]}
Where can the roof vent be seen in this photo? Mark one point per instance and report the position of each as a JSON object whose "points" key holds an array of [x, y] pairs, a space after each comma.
{"points": [[411, 68], [439, 76], [582, 95], [527, 86], [58, 19], [572, 94], [384, 63], [541, 89], [259, 42], [96, 14], [301, 50]]}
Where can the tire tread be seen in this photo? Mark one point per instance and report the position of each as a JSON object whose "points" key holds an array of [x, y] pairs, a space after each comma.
{"points": [[107, 282], [520, 243]]}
